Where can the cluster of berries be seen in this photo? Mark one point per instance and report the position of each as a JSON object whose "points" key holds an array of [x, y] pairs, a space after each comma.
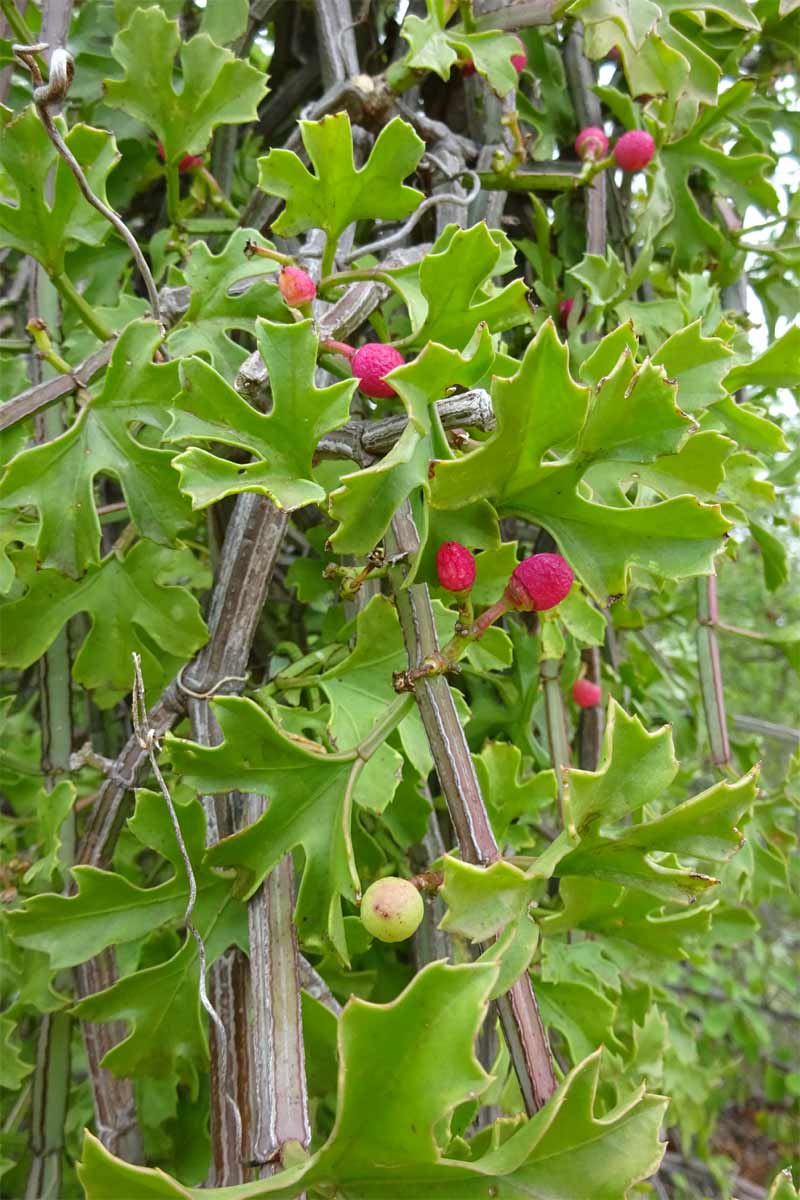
{"points": [[537, 583], [392, 908], [370, 363], [632, 152]]}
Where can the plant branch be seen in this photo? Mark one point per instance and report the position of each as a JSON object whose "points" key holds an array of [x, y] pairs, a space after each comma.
{"points": [[52, 1077], [67, 290], [710, 670], [557, 740], [41, 395], [276, 1033], [45, 96], [519, 1013]]}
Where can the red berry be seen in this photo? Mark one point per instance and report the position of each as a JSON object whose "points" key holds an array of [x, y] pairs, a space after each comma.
{"points": [[586, 694], [296, 286], [455, 567], [370, 363], [189, 162], [634, 150], [186, 163], [564, 310], [539, 582], [591, 144], [519, 61], [467, 67], [614, 54]]}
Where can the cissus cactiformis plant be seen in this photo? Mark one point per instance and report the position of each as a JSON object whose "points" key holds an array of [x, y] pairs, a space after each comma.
{"points": [[396, 500]]}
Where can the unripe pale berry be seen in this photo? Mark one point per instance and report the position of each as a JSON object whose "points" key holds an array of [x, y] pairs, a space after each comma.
{"points": [[392, 909], [455, 567], [296, 286], [539, 582], [591, 144], [370, 363], [586, 694], [634, 150]]}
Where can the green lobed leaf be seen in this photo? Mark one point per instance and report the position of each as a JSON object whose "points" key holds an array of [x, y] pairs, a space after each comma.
{"points": [[13, 1068], [626, 915], [583, 1015], [421, 1047], [657, 54], [777, 367], [508, 793], [167, 1029], [635, 770], [27, 157], [697, 364], [134, 604], [101, 441], [688, 231], [433, 47], [481, 901], [360, 690], [217, 88], [337, 194], [107, 909], [674, 538], [53, 808], [256, 756], [453, 279], [207, 409], [603, 277], [213, 310]]}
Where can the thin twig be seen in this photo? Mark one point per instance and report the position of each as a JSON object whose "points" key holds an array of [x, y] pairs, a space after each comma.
{"points": [[148, 741], [710, 671], [53, 93], [557, 740], [43, 394], [399, 236]]}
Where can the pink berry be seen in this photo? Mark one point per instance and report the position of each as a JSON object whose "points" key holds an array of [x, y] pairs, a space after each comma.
{"points": [[614, 54], [296, 286], [370, 363], [591, 144], [455, 567], [564, 310], [634, 150], [586, 694], [539, 582], [519, 61], [187, 163]]}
